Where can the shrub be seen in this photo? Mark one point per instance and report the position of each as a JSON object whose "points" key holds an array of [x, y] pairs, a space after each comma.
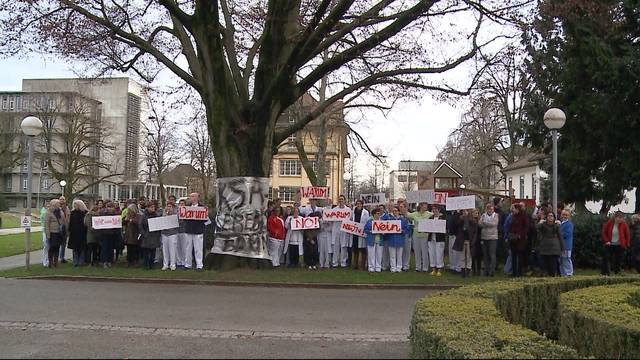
{"points": [[497, 320], [587, 241], [600, 321]]}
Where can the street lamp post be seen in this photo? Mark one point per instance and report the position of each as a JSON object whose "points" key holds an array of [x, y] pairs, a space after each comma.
{"points": [[31, 127], [462, 187], [63, 183], [554, 119]]}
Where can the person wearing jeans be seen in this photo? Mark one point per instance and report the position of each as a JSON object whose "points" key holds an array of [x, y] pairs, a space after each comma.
{"points": [[566, 229], [277, 233], [489, 222], [616, 237], [194, 237]]}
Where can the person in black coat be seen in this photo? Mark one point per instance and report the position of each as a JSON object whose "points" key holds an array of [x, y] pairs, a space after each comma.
{"points": [[78, 232]]}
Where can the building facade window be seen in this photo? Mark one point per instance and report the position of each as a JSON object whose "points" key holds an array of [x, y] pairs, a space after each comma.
{"points": [[24, 181], [402, 178], [44, 164], [45, 183], [521, 186], [7, 182], [4, 102], [534, 185], [287, 193], [25, 165], [12, 103], [290, 168]]}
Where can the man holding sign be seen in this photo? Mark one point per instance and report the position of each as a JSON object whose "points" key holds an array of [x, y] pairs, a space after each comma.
{"points": [[340, 240], [194, 236]]}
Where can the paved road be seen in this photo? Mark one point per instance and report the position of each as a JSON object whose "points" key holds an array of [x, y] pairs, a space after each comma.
{"points": [[45, 318]]}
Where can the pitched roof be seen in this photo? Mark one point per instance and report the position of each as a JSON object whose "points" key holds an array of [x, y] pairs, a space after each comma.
{"points": [[406, 165], [527, 160]]}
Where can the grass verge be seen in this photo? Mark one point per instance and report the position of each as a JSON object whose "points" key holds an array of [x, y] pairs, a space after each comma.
{"points": [[14, 244]]}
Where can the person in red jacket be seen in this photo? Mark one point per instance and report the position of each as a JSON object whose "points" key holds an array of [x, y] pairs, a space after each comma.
{"points": [[277, 232], [616, 238]]}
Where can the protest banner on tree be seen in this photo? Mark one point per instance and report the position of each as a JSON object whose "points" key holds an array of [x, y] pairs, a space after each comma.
{"points": [[106, 222], [461, 202], [352, 227], [440, 198], [419, 196], [314, 192], [432, 226], [193, 213], [386, 227], [163, 223], [304, 223], [336, 214], [373, 199]]}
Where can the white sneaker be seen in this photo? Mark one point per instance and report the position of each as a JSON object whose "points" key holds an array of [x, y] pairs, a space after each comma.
{"points": [[173, 268], [164, 268]]}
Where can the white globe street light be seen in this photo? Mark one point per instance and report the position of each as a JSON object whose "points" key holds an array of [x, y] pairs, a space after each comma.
{"points": [[554, 119], [63, 183], [32, 127]]}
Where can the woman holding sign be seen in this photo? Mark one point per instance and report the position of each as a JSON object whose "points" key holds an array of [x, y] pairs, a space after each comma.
{"points": [[150, 240], [169, 241], [293, 240], [420, 239], [396, 240], [359, 245], [374, 243]]}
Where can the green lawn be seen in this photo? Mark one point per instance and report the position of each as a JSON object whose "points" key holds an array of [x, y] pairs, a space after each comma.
{"points": [[14, 244], [334, 276], [10, 220]]}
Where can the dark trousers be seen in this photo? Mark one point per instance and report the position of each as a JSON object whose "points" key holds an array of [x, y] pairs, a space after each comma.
{"points": [[294, 255], [92, 254], [311, 254], [612, 253], [78, 257], [550, 263], [106, 249], [149, 257], [133, 255], [476, 264], [517, 261], [53, 254]]}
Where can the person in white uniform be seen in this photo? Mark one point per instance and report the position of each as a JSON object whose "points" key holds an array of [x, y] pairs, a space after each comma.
{"points": [[169, 239], [341, 240], [359, 244]]}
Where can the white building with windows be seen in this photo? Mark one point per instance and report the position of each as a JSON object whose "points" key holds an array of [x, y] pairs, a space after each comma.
{"points": [[523, 178]]}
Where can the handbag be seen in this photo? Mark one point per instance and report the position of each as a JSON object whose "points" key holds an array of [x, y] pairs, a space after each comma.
{"points": [[61, 229]]}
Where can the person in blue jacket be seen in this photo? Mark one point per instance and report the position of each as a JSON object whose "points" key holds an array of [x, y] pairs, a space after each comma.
{"points": [[395, 241], [566, 230], [375, 243]]}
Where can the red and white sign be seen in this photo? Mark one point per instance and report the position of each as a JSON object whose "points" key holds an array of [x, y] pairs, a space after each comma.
{"points": [[314, 192], [193, 213], [106, 222], [386, 227], [352, 227], [440, 198], [304, 223], [336, 214]]}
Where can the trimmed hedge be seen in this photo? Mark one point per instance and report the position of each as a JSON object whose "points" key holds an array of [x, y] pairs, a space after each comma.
{"points": [[473, 321], [602, 321]]}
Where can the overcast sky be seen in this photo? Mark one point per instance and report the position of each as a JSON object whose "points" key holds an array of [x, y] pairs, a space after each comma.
{"points": [[411, 131]]}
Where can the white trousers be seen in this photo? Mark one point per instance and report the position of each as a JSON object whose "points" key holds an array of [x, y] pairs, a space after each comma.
{"points": [[340, 255], [45, 250], [436, 254], [454, 256], [194, 242], [465, 257], [180, 249], [395, 258], [324, 250], [385, 256], [374, 258], [169, 250], [421, 253], [276, 249], [406, 252]]}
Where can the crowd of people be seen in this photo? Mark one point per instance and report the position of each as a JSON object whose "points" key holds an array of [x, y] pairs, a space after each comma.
{"points": [[538, 242], [178, 247]]}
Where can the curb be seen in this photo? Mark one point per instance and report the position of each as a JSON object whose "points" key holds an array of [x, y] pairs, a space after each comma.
{"points": [[238, 283]]}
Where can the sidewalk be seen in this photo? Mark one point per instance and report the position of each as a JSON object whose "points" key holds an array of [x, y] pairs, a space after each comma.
{"points": [[15, 261], [19, 230]]}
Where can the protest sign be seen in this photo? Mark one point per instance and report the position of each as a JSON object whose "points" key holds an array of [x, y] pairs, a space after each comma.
{"points": [[352, 227], [373, 199], [420, 196], [432, 226], [336, 214], [440, 198], [461, 202], [303, 223], [106, 222], [163, 223], [386, 227], [193, 213], [314, 192]]}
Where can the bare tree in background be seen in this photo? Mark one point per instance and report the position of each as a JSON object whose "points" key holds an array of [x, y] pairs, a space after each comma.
{"points": [[251, 60], [201, 156], [162, 147]]}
